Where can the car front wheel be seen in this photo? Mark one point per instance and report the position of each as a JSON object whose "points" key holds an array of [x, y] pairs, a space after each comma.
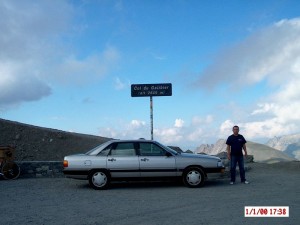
{"points": [[99, 179], [193, 177]]}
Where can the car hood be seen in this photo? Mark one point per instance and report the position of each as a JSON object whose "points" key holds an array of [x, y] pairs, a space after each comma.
{"points": [[190, 155]]}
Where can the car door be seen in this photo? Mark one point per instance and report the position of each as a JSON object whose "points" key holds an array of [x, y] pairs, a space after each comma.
{"points": [[122, 161], [155, 161]]}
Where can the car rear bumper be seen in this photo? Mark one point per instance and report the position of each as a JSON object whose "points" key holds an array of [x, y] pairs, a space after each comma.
{"points": [[76, 174]]}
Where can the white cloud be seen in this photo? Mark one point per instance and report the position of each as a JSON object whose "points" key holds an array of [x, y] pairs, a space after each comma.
{"points": [[127, 130], [226, 126], [137, 124], [196, 135], [18, 84], [271, 55], [28, 27], [209, 119], [28, 33], [196, 120], [267, 129], [34, 56], [158, 57], [170, 135], [280, 112], [108, 132], [198, 131], [72, 70], [119, 84], [258, 129], [263, 108], [188, 136], [179, 123]]}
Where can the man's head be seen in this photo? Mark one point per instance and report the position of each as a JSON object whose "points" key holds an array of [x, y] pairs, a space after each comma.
{"points": [[235, 130]]}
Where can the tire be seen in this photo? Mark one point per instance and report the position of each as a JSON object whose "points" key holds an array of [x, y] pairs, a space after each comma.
{"points": [[99, 179], [10, 170], [193, 177]]}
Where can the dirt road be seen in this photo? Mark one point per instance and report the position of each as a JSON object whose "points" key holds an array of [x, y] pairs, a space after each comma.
{"points": [[66, 201]]}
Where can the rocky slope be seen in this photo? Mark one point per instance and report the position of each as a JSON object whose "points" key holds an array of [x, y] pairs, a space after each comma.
{"points": [[260, 152], [43, 144]]}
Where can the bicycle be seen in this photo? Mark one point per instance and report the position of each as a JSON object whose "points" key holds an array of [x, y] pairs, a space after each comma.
{"points": [[9, 170]]}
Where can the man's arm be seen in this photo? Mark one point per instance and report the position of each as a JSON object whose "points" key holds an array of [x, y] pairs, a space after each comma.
{"points": [[245, 149], [228, 152]]}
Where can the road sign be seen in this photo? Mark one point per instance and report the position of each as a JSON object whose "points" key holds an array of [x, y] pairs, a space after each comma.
{"points": [[148, 90]]}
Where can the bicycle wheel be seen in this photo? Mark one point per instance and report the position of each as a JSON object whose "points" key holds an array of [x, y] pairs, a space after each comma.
{"points": [[10, 170]]}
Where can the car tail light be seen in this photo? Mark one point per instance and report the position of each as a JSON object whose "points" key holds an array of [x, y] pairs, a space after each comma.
{"points": [[66, 163]]}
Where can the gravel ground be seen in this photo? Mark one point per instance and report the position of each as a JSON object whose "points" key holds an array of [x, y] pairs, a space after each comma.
{"points": [[67, 201]]}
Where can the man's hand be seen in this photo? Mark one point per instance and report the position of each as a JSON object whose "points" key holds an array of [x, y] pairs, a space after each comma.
{"points": [[228, 156], [245, 150], [228, 152]]}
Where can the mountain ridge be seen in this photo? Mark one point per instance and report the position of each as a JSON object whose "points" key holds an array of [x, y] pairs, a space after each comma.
{"points": [[290, 144], [261, 152]]}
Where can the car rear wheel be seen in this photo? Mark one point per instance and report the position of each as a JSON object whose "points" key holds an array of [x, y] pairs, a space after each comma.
{"points": [[99, 179], [193, 177]]}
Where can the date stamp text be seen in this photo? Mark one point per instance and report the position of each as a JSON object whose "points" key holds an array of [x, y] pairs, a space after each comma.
{"points": [[266, 211]]}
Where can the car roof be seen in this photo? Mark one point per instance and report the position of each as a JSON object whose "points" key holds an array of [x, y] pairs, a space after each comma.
{"points": [[141, 140], [131, 140]]}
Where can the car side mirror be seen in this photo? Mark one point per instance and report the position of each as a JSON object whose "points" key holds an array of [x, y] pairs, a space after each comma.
{"points": [[168, 154]]}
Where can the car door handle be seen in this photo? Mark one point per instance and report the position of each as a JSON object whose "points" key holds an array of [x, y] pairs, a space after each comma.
{"points": [[112, 159], [144, 159]]}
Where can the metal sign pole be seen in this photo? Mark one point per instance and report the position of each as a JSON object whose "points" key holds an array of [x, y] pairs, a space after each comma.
{"points": [[151, 116], [150, 90]]}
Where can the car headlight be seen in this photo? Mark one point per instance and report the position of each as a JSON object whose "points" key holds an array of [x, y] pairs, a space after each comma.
{"points": [[220, 164]]}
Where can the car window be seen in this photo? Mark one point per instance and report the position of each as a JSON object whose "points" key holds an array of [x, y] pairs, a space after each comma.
{"points": [[105, 151], [150, 149], [123, 149]]}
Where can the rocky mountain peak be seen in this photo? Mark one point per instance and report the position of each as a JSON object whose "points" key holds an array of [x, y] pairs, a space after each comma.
{"points": [[282, 143], [215, 149]]}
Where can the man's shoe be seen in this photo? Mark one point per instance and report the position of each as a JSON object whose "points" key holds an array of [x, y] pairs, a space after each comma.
{"points": [[231, 183], [246, 182]]}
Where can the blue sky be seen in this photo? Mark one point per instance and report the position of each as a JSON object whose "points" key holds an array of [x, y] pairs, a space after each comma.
{"points": [[69, 65]]}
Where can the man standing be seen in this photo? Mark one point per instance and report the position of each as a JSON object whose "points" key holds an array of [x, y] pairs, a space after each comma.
{"points": [[236, 143]]}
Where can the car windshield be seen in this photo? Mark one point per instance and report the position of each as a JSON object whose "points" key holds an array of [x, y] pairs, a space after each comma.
{"points": [[168, 148], [172, 150]]}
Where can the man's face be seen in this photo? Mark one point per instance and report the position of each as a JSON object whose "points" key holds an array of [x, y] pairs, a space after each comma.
{"points": [[235, 130]]}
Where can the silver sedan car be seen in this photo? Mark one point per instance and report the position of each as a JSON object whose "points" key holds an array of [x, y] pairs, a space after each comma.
{"points": [[139, 159]]}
